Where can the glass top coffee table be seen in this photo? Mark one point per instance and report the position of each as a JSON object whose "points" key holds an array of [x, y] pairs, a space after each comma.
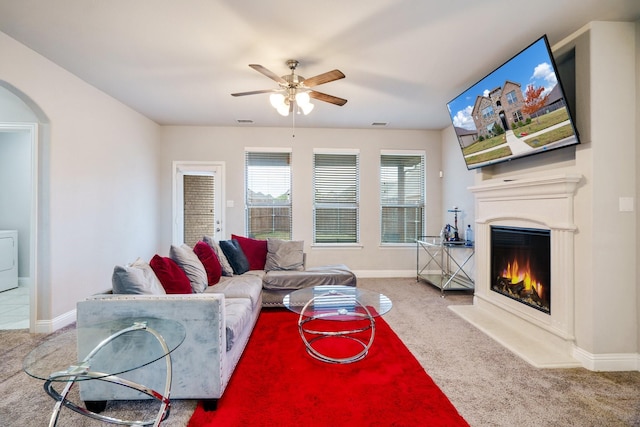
{"points": [[108, 349], [330, 313]]}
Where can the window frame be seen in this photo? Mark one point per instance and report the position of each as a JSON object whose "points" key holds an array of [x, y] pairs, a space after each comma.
{"points": [[423, 195], [248, 206], [353, 206]]}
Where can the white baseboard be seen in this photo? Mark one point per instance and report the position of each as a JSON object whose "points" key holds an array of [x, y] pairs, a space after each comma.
{"points": [[49, 326], [368, 274], [609, 361]]}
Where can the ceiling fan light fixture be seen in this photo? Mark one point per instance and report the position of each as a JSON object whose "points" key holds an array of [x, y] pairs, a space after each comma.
{"points": [[307, 108], [295, 91], [302, 99], [283, 109], [276, 100]]}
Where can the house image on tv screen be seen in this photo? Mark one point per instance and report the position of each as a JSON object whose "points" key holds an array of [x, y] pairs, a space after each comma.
{"points": [[499, 109], [502, 108]]}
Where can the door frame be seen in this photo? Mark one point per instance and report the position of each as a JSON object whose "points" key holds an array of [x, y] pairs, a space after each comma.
{"points": [[32, 280], [182, 168]]}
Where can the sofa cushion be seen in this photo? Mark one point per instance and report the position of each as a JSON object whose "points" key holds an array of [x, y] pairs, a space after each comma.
{"points": [[136, 278], [316, 276], [237, 317], [210, 261], [284, 255], [254, 249], [234, 254], [227, 270], [184, 256], [240, 286], [173, 278]]}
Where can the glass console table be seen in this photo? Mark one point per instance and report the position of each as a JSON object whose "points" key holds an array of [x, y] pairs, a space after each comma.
{"points": [[442, 263]]}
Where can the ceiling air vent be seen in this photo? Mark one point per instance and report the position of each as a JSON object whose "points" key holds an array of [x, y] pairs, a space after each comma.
{"points": [[379, 124], [244, 121]]}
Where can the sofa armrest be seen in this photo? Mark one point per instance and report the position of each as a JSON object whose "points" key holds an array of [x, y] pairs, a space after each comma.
{"points": [[198, 363]]}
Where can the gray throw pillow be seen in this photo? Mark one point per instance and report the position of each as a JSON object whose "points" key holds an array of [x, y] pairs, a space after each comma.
{"points": [[227, 270], [136, 278], [285, 255], [189, 262]]}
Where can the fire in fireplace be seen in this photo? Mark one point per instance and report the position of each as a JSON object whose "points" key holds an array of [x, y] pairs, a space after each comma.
{"points": [[521, 266]]}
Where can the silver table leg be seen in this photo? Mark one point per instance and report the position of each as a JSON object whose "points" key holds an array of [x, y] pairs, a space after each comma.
{"points": [[303, 329]]}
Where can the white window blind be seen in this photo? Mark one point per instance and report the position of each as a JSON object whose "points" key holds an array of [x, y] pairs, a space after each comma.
{"points": [[336, 197], [402, 197], [268, 194]]}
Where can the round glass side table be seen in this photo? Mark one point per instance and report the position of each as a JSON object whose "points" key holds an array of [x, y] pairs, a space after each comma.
{"points": [[116, 347], [358, 306]]}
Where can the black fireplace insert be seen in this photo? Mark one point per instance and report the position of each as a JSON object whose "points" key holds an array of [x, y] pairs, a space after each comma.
{"points": [[521, 265]]}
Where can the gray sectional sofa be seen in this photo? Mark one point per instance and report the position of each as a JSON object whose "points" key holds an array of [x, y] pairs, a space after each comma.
{"points": [[218, 323]]}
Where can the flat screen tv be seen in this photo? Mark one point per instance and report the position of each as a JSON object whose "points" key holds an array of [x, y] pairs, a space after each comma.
{"points": [[517, 110]]}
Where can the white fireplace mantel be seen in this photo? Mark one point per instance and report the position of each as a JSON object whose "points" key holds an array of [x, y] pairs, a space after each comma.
{"points": [[545, 202]]}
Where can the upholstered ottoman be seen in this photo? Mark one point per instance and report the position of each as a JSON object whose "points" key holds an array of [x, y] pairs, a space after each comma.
{"points": [[278, 283]]}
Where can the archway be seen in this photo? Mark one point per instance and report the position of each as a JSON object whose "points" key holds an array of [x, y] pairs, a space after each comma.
{"points": [[19, 115]]}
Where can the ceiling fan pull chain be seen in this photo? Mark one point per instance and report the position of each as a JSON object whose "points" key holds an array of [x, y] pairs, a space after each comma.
{"points": [[293, 129]]}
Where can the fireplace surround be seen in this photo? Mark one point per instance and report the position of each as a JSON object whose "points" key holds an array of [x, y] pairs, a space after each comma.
{"points": [[545, 204]]}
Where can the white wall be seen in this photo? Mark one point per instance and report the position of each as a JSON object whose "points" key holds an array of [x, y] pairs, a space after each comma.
{"points": [[98, 186], [613, 78], [15, 191], [13, 109], [637, 122], [455, 181], [228, 145], [607, 301]]}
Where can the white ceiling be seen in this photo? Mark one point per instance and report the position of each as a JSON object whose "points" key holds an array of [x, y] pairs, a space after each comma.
{"points": [[177, 62]]}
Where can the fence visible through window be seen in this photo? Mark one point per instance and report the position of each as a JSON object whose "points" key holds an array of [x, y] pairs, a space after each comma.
{"points": [[268, 194]]}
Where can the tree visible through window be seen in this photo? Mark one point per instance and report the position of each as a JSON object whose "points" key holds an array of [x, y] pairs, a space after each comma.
{"points": [[402, 197], [268, 194], [336, 197]]}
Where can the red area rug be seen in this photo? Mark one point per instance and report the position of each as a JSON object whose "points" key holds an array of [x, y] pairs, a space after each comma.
{"points": [[277, 383]]}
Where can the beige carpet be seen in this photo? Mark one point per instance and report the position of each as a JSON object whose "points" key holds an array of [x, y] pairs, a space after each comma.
{"points": [[488, 384]]}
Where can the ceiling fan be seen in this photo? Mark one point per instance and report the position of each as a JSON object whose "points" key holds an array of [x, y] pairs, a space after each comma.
{"points": [[295, 89]]}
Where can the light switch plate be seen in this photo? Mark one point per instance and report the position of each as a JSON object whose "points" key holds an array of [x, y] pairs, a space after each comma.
{"points": [[626, 204]]}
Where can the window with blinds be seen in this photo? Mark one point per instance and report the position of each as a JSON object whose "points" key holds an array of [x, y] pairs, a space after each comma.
{"points": [[402, 197], [336, 196], [268, 194]]}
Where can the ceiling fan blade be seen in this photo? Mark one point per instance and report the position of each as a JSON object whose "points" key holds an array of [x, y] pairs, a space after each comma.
{"points": [[268, 73], [255, 92], [327, 98], [323, 78]]}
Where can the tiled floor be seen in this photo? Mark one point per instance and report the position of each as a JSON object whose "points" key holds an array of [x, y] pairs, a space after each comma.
{"points": [[14, 308]]}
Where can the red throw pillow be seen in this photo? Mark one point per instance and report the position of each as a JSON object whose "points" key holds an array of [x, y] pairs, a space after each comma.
{"points": [[210, 260], [173, 278], [255, 250]]}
